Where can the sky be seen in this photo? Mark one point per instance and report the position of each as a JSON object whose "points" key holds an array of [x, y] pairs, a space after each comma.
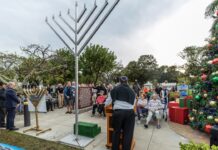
{"points": [[162, 28]]}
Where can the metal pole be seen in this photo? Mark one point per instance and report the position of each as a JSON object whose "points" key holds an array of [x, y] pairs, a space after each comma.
{"points": [[76, 73]]}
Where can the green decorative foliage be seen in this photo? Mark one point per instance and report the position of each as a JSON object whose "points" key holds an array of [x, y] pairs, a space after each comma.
{"points": [[194, 146]]}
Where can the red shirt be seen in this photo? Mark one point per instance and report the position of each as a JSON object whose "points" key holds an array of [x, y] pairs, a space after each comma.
{"points": [[100, 99]]}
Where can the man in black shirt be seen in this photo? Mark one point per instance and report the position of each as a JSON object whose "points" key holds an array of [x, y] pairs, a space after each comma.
{"points": [[101, 87], [136, 87], [2, 105], [158, 90], [123, 117]]}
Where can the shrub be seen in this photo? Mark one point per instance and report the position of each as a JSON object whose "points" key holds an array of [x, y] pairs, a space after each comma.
{"points": [[194, 146]]}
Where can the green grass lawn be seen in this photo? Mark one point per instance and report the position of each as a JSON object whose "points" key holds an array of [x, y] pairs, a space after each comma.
{"points": [[29, 142]]}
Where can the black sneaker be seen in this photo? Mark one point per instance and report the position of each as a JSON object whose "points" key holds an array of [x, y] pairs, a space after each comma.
{"points": [[146, 126], [13, 129]]}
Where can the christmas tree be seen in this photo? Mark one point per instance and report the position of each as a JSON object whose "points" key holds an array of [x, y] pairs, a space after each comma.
{"points": [[204, 110], [205, 94]]}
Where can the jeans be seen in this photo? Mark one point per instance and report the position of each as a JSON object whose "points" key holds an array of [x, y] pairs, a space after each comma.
{"points": [[2, 116], [10, 117], [101, 109]]}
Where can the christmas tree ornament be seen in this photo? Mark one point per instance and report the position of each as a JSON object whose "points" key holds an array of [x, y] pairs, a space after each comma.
{"points": [[198, 97], [205, 95], [215, 80], [210, 62], [210, 117], [197, 86], [204, 77], [212, 103], [194, 111], [202, 70], [210, 46], [213, 39], [214, 73], [216, 120], [201, 113], [191, 119], [215, 61]]}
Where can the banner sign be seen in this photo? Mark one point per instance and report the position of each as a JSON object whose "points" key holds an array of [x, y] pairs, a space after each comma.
{"points": [[85, 97], [9, 147]]}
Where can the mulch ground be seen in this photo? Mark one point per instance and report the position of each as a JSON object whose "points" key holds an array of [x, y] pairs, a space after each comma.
{"points": [[30, 143], [189, 133]]}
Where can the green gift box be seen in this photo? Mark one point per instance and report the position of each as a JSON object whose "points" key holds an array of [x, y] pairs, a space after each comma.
{"points": [[189, 104], [182, 103]]}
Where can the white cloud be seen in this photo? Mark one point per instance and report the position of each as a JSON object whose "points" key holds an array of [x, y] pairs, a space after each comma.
{"points": [[134, 28], [185, 27]]}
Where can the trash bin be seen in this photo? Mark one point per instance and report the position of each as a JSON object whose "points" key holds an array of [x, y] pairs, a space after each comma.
{"points": [[214, 136], [26, 114]]}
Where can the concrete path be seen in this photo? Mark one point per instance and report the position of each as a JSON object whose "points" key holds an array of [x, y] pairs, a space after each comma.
{"points": [[62, 125]]}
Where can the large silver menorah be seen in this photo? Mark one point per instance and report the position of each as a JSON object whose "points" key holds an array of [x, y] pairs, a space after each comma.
{"points": [[80, 32], [35, 95]]}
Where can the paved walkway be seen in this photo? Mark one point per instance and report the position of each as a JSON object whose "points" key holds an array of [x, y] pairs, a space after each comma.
{"points": [[62, 125]]}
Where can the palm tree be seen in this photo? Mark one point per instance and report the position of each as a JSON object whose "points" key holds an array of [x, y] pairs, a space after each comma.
{"points": [[211, 9]]}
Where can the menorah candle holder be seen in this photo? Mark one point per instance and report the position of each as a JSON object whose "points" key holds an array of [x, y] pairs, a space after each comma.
{"points": [[80, 28], [35, 95]]}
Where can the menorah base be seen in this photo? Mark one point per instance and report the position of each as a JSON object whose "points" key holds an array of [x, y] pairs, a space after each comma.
{"points": [[38, 130]]}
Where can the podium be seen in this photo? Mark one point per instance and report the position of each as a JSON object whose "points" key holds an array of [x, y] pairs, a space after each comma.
{"points": [[108, 111]]}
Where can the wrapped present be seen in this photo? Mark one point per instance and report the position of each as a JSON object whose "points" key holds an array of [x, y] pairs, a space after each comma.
{"points": [[172, 113], [181, 115], [182, 102], [189, 104], [173, 104]]}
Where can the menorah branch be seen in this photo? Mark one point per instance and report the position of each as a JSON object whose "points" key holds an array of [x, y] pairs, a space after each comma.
{"points": [[87, 18], [66, 23], [93, 22], [82, 13], [58, 35], [63, 30], [99, 25]]}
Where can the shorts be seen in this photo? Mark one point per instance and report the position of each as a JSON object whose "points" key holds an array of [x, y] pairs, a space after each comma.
{"points": [[70, 101]]}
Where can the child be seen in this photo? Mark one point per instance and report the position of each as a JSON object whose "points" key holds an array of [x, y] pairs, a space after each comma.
{"points": [[100, 103]]}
